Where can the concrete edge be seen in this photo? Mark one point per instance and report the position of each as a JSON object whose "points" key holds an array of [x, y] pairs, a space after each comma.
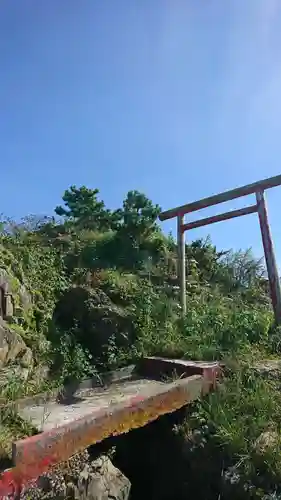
{"points": [[156, 367], [37, 454]]}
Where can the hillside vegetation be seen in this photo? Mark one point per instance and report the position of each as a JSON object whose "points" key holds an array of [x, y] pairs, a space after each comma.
{"points": [[102, 292]]}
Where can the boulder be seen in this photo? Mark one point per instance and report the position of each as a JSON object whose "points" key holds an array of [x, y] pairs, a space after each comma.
{"points": [[81, 479], [95, 317], [268, 439], [41, 372], [26, 361], [102, 481], [269, 368], [15, 375]]}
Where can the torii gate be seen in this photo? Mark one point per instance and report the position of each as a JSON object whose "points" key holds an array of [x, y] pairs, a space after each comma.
{"points": [[260, 207]]}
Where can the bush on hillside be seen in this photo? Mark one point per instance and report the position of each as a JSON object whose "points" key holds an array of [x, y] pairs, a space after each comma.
{"points": [[104, 292]]}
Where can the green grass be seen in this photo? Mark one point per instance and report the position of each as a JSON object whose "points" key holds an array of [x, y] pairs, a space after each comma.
{"points": [[228, 423], [225, 430], [12, 427], [226, 426]]}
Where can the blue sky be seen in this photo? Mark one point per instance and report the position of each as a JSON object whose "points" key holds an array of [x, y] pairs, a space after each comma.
{"points": [[176, 98]]}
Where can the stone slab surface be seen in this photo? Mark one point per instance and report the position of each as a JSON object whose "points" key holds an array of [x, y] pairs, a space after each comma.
{"points": [[88, 401], [37, 454], [93, 414], [84, 401], [61, 442]]}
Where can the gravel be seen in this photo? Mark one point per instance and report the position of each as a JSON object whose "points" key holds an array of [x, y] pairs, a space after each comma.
{"points": [[60, 481]]}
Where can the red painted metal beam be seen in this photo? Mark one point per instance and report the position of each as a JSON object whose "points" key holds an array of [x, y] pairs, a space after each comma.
{"points": [[218, 218], [221, 197]]}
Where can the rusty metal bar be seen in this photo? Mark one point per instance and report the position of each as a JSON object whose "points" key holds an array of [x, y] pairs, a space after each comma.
{"points": [[181, 263], [274, 282], [218, 218], [221, 197]]}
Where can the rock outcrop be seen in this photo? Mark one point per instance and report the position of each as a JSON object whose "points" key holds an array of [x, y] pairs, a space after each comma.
{"points": [[16, 357], [82, 479], [100, 480], [269, 368], [96, 316], [14, 298], [13, 351], [268, 439]]}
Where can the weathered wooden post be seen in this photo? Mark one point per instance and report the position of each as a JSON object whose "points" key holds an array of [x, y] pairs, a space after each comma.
{"points": [[272, 271], [181, 262]]}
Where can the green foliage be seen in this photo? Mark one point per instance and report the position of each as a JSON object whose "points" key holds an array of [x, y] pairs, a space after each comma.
{"points": [[104, 292], [70, 361], [101, 311], [214, 327], [91, 272], [223, 433], [41, 270], [206, 257], [84, 209], [240, 270], [139, 215]]}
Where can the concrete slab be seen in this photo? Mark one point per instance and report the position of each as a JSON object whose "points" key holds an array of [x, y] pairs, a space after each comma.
{"points": [[42, 451], [49, 414], [92, 414], [54, 414]]}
